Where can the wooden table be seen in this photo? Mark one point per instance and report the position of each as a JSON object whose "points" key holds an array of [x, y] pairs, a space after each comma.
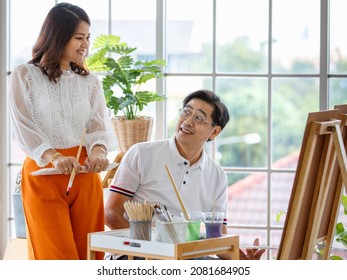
{"points": [[118, 242]]}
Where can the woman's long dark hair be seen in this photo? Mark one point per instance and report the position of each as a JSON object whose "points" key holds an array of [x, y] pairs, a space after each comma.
{"points": [[57, 29]]}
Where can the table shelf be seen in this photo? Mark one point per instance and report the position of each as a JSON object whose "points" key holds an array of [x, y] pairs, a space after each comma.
{"points": [[119, 242]]}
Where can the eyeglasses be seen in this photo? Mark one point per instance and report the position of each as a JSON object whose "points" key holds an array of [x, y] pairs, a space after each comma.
{"points": [[197, 119]]}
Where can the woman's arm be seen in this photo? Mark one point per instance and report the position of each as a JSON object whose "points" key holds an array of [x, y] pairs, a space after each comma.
{"points": [[30, 138]]}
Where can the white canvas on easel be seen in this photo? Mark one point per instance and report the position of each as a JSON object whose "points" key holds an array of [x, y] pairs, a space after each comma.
{"points": [[318, 184]]}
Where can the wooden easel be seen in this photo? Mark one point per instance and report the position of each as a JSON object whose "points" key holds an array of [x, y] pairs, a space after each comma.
{"points": [[318, 185]]}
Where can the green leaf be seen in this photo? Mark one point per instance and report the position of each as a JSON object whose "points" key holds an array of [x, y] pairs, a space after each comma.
{"points": [[104, 40], [341, 234], [148, 96], [344, 203], [279, 215], [144, 78], [339, 228], [334, 257], [126, 62]]}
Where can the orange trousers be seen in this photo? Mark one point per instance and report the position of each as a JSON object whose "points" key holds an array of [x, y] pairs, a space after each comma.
{"points": [[58, 225]]}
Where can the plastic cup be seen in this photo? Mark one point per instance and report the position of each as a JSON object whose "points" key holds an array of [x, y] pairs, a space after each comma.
{"points": [[172, 232], [193, 229], [141, 230], [213, 224]]}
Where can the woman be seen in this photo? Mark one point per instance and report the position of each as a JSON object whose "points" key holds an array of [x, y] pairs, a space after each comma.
{"points": [[53, 100]]}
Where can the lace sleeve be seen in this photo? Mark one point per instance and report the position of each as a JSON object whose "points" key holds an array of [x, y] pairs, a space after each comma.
{"points": [[28, 135], [100, 130]]}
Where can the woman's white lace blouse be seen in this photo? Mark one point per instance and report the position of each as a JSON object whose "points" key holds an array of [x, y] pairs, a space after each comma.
{"points": [[49, 115]]}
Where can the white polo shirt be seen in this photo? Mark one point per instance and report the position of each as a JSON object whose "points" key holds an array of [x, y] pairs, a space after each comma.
{"points": [[142, 175]]}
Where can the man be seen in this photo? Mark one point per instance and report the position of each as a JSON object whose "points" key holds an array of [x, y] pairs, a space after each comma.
{"points": [[202, 183]]}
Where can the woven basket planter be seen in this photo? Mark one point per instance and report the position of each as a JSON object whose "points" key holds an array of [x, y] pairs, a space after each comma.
{"points": [[129, 132]]}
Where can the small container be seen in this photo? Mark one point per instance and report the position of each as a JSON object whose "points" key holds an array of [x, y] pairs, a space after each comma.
{"points": [[194, 225], [172, 232], [213, 224], [141, 230], [193, 231]]}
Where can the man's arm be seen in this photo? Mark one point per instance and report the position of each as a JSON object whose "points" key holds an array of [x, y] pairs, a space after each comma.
{"points": [[114, 211]]}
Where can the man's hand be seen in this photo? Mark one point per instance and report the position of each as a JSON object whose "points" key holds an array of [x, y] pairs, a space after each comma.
{"points": [[252, 254]]}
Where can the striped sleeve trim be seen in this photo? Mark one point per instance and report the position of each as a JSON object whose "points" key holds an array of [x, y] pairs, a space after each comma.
{"points": [[121, 191]]}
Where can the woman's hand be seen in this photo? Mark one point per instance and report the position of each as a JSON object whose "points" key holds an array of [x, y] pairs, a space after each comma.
{"points": [[97, 161], [65, 163], [252, 254]]}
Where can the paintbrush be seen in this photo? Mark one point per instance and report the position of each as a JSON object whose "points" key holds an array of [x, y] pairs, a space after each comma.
{"points": [[184, 209], [73, 173], [167, 213]]}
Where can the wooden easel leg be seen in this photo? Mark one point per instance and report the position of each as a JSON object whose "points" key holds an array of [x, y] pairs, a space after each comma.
{"points": [[341, 156], [323, 183], [299, 194], [341, 153]]}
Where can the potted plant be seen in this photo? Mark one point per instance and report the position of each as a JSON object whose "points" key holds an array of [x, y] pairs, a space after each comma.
{"points": [[122, 87]]}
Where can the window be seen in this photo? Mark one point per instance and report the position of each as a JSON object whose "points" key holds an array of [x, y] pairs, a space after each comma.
{"points": [[271, 64]]}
